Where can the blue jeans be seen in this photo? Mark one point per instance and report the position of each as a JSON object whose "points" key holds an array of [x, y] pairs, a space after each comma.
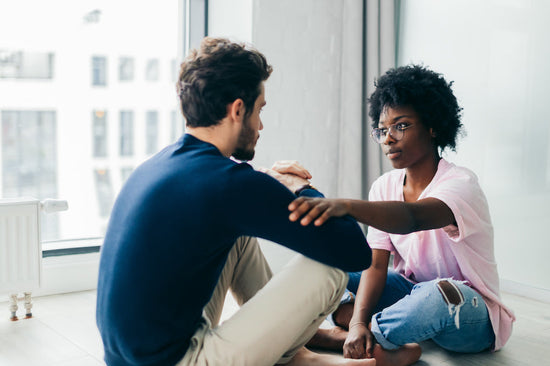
{"points": [[409, 312]]}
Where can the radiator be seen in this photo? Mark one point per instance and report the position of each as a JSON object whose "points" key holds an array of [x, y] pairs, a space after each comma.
{"points": [[20, 247]]}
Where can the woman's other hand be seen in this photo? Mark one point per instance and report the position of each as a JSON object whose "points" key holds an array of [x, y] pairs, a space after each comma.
{"points": [[359, 343]]}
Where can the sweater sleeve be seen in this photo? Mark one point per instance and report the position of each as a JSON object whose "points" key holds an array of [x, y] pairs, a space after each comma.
{"points": [[258, 206]]}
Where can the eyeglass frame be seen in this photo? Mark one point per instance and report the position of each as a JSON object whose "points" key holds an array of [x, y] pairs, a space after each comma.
{"points": [[389, 130]]}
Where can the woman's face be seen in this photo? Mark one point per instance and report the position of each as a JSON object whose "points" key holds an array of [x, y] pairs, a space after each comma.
{"points": [[415, 146]]}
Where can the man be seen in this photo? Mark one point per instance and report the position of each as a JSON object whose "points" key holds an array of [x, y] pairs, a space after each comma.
{"points": [[182, 233]]}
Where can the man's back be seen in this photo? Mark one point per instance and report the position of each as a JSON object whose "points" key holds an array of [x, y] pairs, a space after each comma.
{"points": [[170, 232]]}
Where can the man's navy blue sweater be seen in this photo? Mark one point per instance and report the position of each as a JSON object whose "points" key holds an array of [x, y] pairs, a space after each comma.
{"points": [[171, 229]]}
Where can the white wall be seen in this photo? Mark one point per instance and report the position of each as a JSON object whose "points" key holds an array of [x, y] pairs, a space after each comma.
{"points": [[498, 54], [313, 111], [232, 19]]}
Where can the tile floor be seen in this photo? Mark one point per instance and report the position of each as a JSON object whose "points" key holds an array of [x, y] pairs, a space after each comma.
{"points": [[63, 333]]}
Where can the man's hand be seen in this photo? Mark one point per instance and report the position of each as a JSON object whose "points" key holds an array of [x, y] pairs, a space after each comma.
{"points": [[359, 343], [291, 181], [291, 167], [317, 210], [289, 173]]}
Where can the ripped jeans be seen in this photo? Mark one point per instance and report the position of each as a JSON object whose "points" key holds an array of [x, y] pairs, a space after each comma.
{"points": [[448, 312]]}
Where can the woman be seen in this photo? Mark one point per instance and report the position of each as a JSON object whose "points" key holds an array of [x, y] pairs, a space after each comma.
{"points": [[434, 218]]}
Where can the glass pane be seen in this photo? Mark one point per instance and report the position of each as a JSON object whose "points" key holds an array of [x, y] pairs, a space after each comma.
{"points": [[152, 70], [177, 124], [151, 132], [126, 69], [99, 71], [126, 133], [87, 95], [99, 133]]}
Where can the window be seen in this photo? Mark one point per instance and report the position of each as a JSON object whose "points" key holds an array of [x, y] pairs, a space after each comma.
{"points": [[176, 125], [151, 132], [174, 70], [104, 189], [126, 133], [26, 65], [54, 90], [152, 70], [99, 71], [99, 133], [126, 69], [29, 157], [66, 130]]}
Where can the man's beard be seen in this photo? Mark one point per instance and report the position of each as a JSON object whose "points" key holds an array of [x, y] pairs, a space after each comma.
{"points": [[246, 143]]}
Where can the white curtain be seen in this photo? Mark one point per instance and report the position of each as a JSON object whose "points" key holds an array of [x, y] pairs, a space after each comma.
{"points": [[380, 45]]}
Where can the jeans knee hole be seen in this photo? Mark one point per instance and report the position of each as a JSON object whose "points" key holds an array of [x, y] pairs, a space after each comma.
{"points": [[450, 292]]}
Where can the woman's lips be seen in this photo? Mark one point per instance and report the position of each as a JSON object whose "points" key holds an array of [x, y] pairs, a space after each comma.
{"points": [[393, 154]]}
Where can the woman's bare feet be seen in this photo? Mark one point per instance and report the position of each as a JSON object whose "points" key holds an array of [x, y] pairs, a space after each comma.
{"points": [[305, 357], [404, 355]]}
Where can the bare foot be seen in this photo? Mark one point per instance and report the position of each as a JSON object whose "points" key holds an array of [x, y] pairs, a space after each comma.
{"points": [[305, 357], [332, 339], [404, 355]]}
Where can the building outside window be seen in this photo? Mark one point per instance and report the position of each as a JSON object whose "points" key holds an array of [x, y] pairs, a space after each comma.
{"points": [[176, 125], [126, 133], [26, 65], [151, 132], [126, 69], [104, 190], [99, 126], [152, 70], [99, 71]]}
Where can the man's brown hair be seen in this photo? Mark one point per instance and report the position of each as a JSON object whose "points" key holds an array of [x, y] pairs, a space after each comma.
{"points": [[216, 74]]}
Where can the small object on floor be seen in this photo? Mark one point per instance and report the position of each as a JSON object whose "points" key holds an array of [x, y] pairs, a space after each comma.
{"points": [[13, 307], [28, 305]]}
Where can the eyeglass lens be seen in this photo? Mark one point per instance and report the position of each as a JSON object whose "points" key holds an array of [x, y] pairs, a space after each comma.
{"points": [[379, 134]]}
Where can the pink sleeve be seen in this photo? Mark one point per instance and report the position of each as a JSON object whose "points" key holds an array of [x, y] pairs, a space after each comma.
{"points": [[378, 239], [461, 192]]}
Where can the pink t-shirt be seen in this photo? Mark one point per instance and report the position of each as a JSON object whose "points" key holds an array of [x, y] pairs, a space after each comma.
{"points": [[464, 253]]}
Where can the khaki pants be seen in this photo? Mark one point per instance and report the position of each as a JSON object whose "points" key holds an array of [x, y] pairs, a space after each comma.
{"points": [[277, 316]]}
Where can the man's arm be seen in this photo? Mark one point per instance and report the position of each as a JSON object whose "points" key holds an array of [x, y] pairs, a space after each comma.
{"points": [[259, 204]]}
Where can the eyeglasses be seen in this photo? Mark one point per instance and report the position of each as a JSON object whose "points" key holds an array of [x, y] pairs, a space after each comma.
{"points": [[396, 131]]}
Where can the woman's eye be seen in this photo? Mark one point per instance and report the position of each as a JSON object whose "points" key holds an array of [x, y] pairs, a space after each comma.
{"points": [[401, 126]]}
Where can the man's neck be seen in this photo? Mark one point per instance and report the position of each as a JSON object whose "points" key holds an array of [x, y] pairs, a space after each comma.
{"points": [[218, 135]]}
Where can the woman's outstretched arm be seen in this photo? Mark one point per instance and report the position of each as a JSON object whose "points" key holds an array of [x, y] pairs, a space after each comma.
{"points": [[390, 216]]}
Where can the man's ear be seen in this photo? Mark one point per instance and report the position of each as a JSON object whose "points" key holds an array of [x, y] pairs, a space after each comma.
{"points": [[236, 110]]}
